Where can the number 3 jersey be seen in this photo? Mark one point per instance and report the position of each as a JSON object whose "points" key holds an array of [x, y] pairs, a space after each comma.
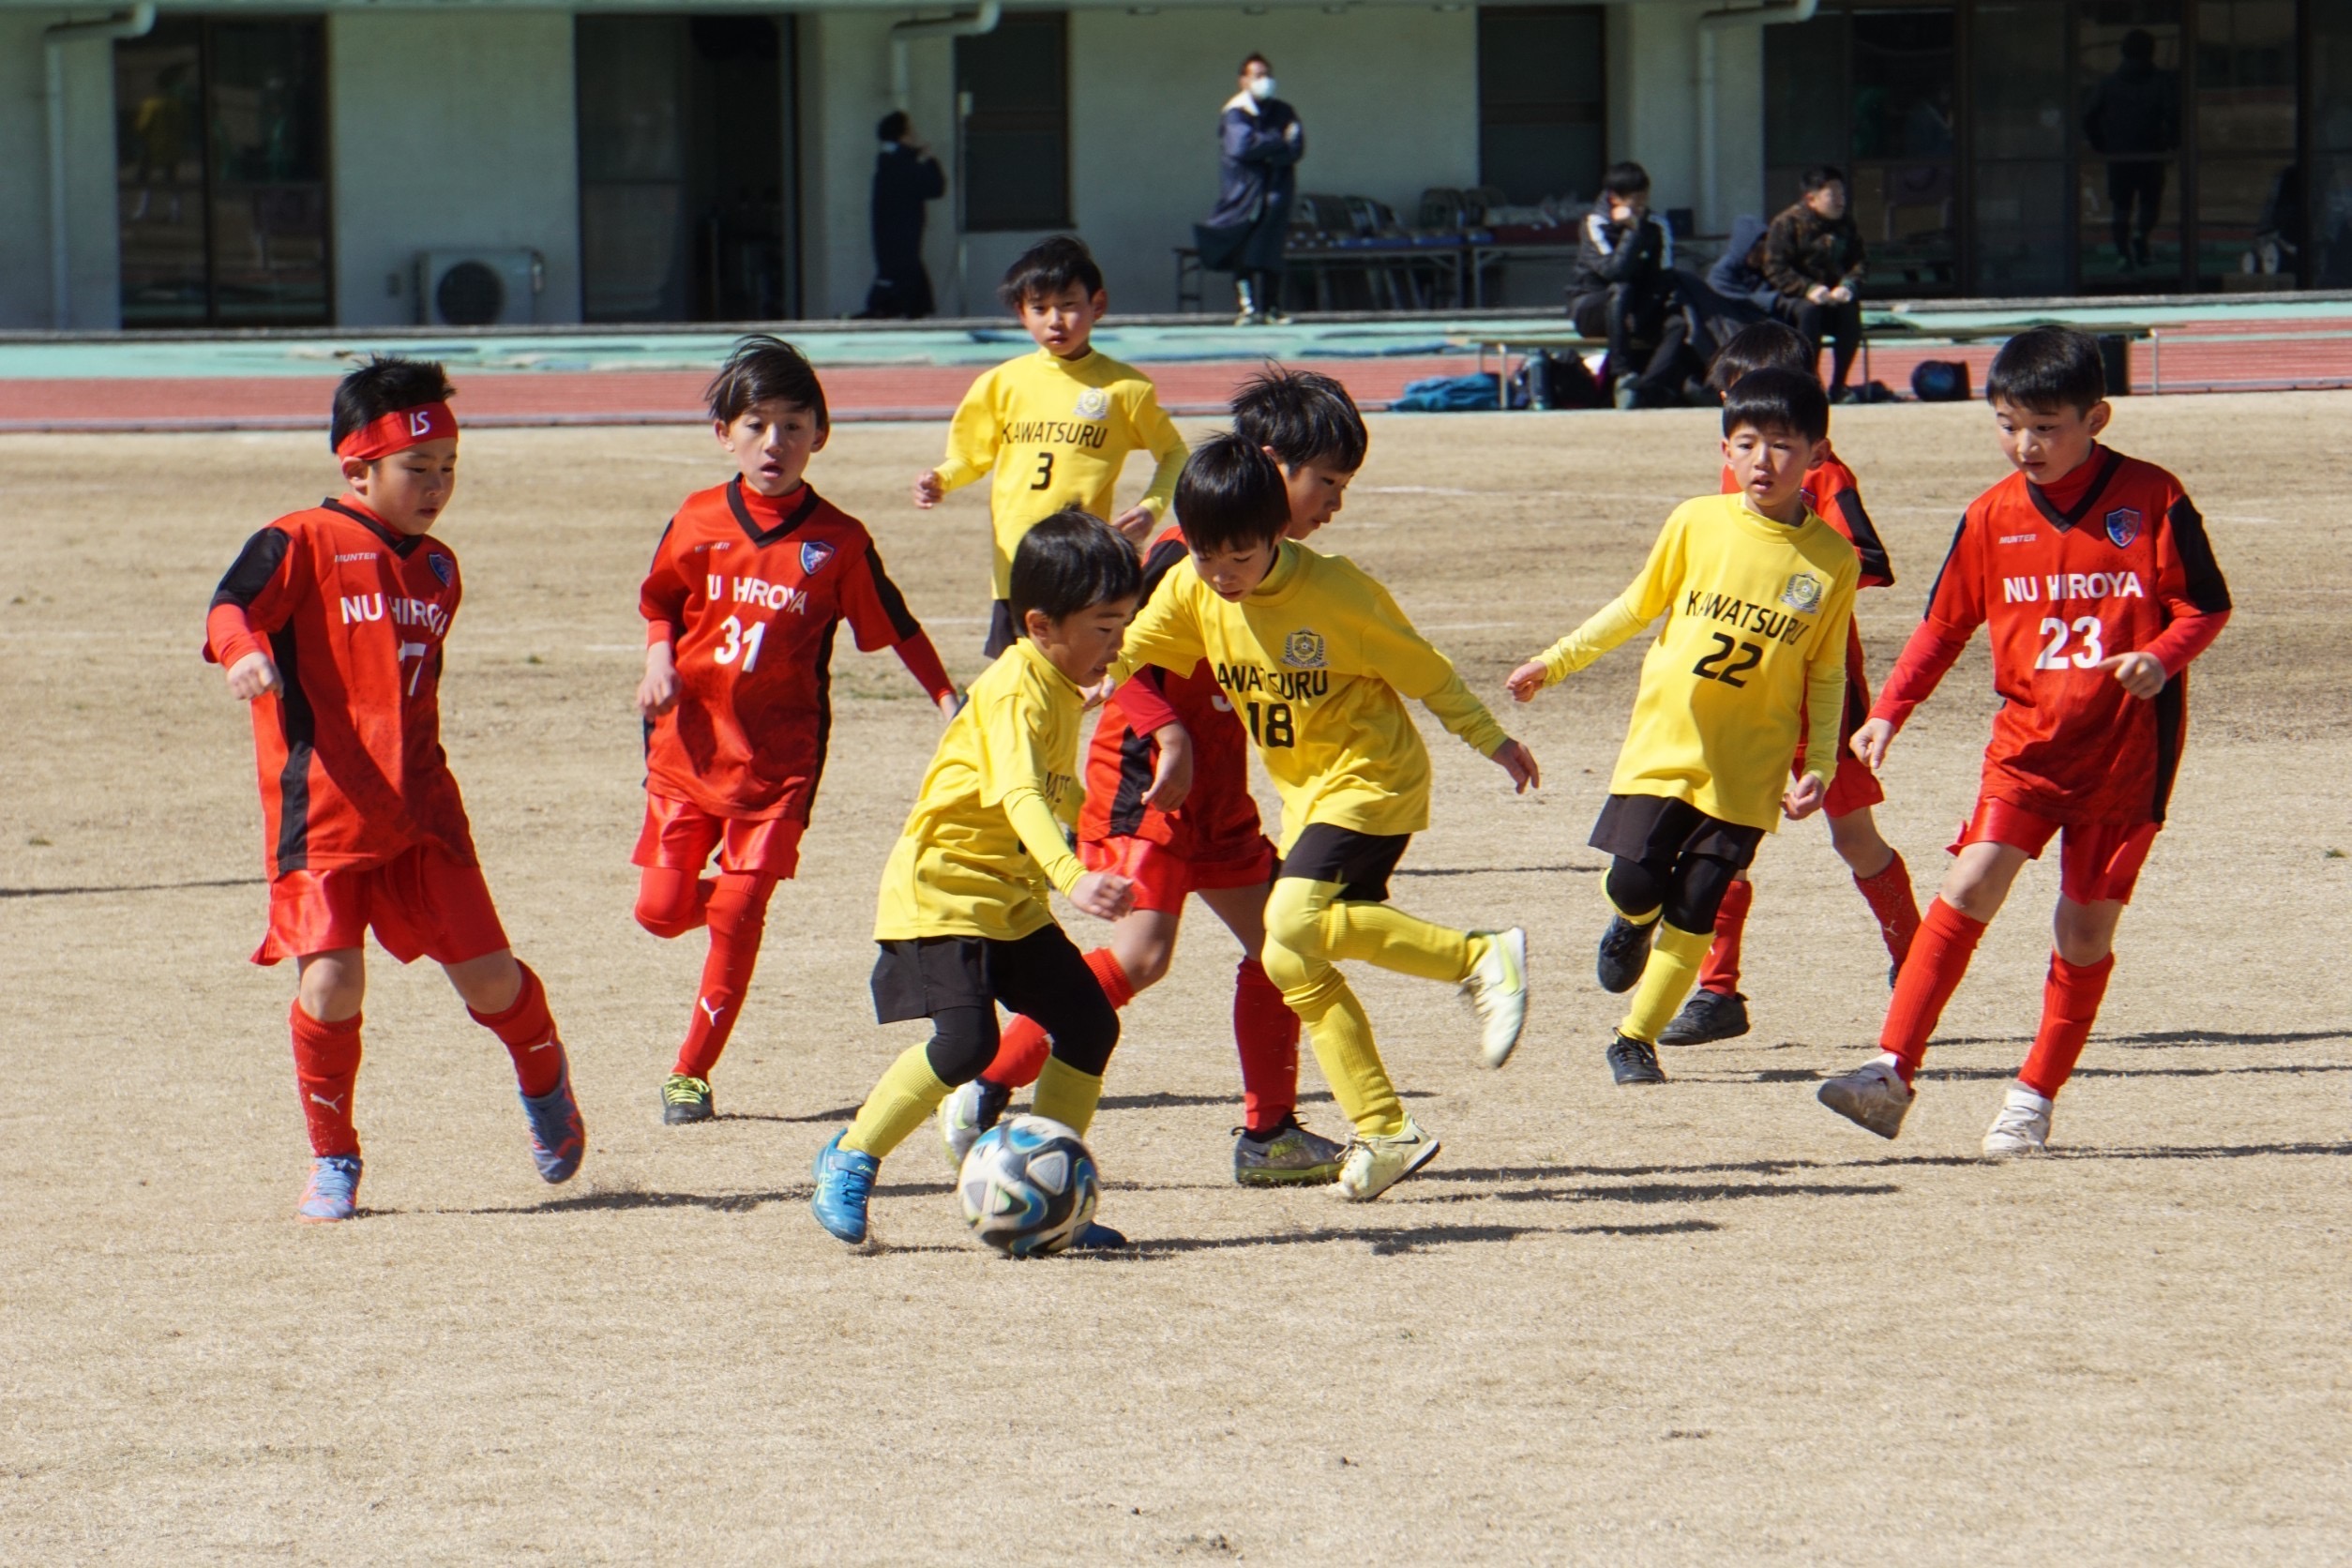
{"points": [[349, 749], [748, 589], [1755, 630], [2112, 559]]}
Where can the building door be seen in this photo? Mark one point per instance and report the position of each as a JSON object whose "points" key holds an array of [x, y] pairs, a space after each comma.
{"points": [[220, 173], [686, 192]]}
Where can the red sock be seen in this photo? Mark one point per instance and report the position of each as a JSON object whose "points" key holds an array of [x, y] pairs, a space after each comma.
{"points": [[670, 902], [1719, 972], [1023, 1048], [326, 1065], [1939, 957], [1890, 900], [2070, 1006], [738, 914], [528, 1032], [1266, 1032]]}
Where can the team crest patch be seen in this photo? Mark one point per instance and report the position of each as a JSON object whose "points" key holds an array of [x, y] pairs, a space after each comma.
{"points": [[1094, 403], [1804, 594], [2124, 525], [446, 569], [1304, 650], [813, 556]]}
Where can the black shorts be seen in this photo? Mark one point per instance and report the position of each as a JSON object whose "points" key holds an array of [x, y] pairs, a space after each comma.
{"points": [[921, 977], [1002, 633], [1360, 863], [1657, 831]]}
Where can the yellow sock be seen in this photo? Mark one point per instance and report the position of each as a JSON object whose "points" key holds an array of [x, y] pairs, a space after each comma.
{"points": [[902, 1102], [1394, 940], [1067, 1095], [1667, 980], [1341, 1034], [1644, 918]]}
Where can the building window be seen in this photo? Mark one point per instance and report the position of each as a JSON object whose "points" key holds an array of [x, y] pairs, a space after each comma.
{"points": [[1541, 101], [1017, 128], [220, 173]]}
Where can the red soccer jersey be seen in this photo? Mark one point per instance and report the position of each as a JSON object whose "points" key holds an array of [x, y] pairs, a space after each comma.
{"points": [[1219, 817], [354, 615], [2103, 562], [748, 591]]}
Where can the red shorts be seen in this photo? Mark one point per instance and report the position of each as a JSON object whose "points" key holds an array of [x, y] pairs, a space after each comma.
{"points": [[421, 903], [1163, 879], [1853, 787], [679, 836], [2097, 861]]}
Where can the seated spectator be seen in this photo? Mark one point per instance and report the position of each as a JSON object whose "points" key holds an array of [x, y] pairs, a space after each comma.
{"points": [[1813, 258], [1625, 292]]}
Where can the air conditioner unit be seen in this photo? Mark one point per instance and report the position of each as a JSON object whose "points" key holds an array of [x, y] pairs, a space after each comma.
{"points": [[478, 288]]}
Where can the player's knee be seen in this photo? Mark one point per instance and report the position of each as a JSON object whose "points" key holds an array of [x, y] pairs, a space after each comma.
{"points": [[2084, 933], [1294, 917], [666, 908], [1085, 1042], [964, 1043], [1699, 884], [1634, 890]]}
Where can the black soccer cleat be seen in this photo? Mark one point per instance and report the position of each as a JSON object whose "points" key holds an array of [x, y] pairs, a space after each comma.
{"points": [[1633, 1061], [1624, 951], [1708, 1017], [686, 1099]]}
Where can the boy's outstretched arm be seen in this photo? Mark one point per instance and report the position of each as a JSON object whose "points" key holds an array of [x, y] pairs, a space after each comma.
{"points": [[1643, 601], [1167, 445], [1825, 693], [970, 445], [257, 588], [879, 618], [1408, 662], [1955, 611]]}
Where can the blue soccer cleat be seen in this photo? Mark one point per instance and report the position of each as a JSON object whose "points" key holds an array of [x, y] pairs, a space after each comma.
{"points": [[845, 1181], [334, 1190], [558, 1139], [1099, 1238]]}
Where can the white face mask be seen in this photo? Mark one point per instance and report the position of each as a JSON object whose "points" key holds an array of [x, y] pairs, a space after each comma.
{"points": [[1261, 87]]}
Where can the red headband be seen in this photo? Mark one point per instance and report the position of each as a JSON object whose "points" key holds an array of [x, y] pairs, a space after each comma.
{"points": [[396, 431]]}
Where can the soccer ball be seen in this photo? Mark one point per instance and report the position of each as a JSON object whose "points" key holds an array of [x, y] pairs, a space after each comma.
{"points": [[1029, 1186]]}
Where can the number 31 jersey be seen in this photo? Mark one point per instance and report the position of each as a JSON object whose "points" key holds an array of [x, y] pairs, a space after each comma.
{"points": [[748, 589], [2060, 588]]}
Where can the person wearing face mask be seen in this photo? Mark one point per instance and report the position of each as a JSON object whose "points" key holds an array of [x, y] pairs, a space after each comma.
{"points": [[1259, 143]]}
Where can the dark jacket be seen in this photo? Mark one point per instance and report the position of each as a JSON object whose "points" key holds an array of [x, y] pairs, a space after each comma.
{"points": [[2134, 113], [1737, 275], [904, 179], [1610, 253], [1257, 161], [1803, 248]]}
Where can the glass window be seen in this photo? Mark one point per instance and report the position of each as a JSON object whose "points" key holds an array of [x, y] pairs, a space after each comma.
{"points": [[2017, 99], [2331, 111], [1805, 100], [1017, 138], [1903, 173], [220, 143], [1541, 101], [2128, 178], [2249, 180]]}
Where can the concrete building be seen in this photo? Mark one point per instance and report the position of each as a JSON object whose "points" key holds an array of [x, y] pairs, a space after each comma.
{"points": [[227, 164]]}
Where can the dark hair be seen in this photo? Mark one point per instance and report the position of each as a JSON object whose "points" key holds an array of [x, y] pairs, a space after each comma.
{"points": [[2139, 46], [1046, 268], [1625, 179], [893, 126], [1253, 59], [1305, 415], [1231, 495], [2048, 368], [1071, 561], [1820, 176], [1759, 346], [385, 384], [1777, 399], [760, 368]]}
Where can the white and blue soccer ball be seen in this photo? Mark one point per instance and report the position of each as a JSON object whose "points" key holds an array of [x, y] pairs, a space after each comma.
{"points": [[1029, 1186]]}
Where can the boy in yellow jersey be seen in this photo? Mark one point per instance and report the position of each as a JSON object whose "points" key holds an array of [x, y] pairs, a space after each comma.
{"points": [[1757, 591], [1317, 659], [963, 923], [1056, 426]]}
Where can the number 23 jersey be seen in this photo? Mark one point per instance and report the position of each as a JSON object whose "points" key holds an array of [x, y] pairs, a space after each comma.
{"points": [[2061, 587], [750, 590]]}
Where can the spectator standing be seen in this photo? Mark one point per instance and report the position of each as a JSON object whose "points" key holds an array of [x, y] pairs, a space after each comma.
{"points": [[2133, 121], [1626, 291], [1259, 143], [906, 176], [1814, 260]]}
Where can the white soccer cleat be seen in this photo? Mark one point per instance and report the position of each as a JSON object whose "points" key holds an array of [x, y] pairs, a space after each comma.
{"points": [[1374, 1165], [1873, 1096], [1497, 990], [959, 1124], [2023, 1128]]}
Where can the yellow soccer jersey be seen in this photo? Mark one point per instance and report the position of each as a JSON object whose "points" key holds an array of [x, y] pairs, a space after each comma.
{"points": [[1317, 660], [985, 840], [1755, 634], [1057, 432]]}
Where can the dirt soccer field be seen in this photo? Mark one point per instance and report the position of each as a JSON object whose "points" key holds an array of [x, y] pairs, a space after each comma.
{"points": [[1710, 1322]]}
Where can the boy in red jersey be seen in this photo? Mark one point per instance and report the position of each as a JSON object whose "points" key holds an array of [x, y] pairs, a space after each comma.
{"points": [[1167, 806], [1717, 1010], [2092, 571], [750, 582], [331, 624]]}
